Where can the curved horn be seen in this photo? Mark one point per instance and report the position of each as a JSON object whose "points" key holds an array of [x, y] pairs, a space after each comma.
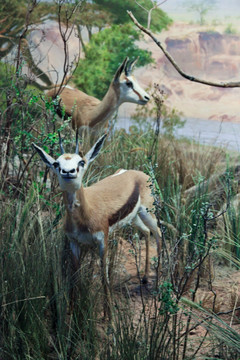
{"points": [[60, 143], [77, 145], [130, 66]]}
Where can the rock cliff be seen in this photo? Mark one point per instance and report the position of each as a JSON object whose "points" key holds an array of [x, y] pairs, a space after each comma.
{"points": [[200, 52], [208, 54]]}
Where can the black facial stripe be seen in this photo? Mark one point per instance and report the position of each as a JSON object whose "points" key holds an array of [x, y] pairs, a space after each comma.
{"points": [[129, 84]]}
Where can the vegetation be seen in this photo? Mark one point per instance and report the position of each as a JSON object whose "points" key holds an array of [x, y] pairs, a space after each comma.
{"points": [[230, 29], [197, 209], [104, 53], [14, 22], [160, 20], [201, 7], [37, 320]]}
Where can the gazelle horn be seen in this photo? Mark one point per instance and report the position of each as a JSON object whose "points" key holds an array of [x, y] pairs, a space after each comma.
{"points": [[60, 143]]}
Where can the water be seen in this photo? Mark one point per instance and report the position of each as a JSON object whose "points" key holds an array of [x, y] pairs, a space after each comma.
{"points": [[221, 134], [206, 132]]}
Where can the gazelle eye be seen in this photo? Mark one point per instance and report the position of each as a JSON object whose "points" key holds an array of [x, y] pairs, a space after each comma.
{"points": [[81, 163], [56, 165], [129, 84]]}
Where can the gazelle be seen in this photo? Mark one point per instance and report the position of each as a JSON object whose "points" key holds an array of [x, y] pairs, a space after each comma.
{"points": [[89, 111], [95, 211]]}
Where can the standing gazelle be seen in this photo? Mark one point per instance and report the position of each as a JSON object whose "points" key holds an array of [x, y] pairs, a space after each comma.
{"points": [[93, 212], [89, 111]]}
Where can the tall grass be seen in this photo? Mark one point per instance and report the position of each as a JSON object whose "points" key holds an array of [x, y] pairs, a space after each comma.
{"points": [[49, 312], [38, 320]]}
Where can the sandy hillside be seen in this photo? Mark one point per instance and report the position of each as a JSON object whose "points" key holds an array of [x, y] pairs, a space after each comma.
{"points": [[202, 52]]}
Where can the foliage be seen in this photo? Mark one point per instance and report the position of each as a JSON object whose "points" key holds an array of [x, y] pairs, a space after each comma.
{"points": [[36, 278], [104, 54], [201, 7], [230, 29], [92, 16], [119, 10], [39, 317], [6, 75], [13, 21], [170, 119]]}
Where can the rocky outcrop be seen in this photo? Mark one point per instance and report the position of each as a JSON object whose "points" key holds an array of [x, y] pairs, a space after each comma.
{"points": [[210, 53]]}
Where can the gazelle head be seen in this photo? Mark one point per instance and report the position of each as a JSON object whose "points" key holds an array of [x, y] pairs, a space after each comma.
{"points": [[70, 168], [130, 90]]}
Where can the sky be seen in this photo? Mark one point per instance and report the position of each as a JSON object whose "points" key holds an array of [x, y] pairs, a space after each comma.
{"points": [[223, 7]]}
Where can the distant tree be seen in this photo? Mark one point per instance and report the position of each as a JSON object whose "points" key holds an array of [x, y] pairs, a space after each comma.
{"points": [[103, 54], [93, 17], [159, 19], [201, 7]]}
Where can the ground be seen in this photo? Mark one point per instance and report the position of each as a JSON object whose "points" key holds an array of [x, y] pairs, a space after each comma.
{"points": [[225, 290]]}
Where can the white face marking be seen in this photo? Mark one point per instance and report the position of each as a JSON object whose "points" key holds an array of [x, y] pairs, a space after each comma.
{"points": [[70, 169], [131, 91]]}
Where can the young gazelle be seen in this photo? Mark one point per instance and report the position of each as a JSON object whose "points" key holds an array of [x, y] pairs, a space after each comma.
{"points": [[95, 211], [89, 111]]}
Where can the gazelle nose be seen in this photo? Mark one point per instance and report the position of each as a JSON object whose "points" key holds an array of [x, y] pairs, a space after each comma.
{"points": [[147, 98], [64, 172]]}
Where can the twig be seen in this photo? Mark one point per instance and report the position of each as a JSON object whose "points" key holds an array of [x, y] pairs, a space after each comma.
{"points": [[155, 6], [27, 299], [209, 317]]}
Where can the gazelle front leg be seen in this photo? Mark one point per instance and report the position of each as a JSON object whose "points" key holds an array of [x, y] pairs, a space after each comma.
{"points": [[101, 241], [75, 254]]}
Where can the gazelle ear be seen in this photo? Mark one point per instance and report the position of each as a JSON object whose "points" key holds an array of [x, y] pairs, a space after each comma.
{"points": [[47, 159], [93, 152], [120, 70]]}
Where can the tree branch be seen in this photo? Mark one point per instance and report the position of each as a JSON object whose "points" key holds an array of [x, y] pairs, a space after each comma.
{"points": [[176, 66], [155, 6]]}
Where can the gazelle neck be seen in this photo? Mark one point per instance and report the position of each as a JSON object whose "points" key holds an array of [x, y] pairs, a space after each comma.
{"points": [[76, 201], [106, 108]]}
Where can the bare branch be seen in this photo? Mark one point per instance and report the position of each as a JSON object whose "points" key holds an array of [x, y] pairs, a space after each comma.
{"points": [[65, 35], [155, 6], [31, 6], [176, 66], [141, 6]]}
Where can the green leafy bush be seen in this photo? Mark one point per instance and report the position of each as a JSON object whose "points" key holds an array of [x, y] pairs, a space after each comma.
{"points": [[104, 53]]}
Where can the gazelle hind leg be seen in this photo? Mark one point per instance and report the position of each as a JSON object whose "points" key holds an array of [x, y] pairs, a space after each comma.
{"points": [[146, 232], [151, 223]]}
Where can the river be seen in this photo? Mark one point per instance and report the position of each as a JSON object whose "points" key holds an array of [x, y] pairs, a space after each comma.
{"points": [[209, 132]]}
